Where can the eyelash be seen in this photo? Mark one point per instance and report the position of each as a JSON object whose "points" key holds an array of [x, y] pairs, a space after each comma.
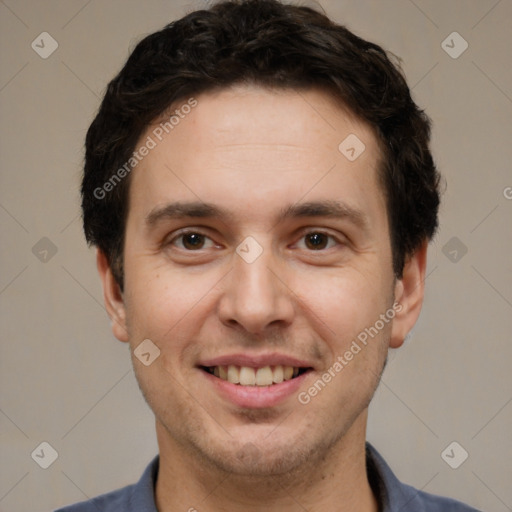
{"points": [[302, 236], [185, 233]]}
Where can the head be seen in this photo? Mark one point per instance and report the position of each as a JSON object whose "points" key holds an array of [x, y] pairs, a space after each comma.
{"points": [[242, 108]]}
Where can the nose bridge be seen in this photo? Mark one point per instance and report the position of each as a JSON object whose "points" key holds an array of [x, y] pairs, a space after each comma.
{"points": [[254, 297]]}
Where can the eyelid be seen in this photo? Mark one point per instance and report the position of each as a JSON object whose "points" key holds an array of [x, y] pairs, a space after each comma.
{"points": [[186, 231], [322, 231], [300, 235]]}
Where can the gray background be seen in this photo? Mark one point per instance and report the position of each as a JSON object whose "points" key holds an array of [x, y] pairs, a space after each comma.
{"points": [[67, 381]]}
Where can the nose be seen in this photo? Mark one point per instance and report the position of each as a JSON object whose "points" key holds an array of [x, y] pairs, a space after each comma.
{"points": [[255, 295]]}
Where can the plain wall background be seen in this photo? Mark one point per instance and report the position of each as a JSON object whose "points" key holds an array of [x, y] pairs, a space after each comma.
{"points": [[67, 381]]}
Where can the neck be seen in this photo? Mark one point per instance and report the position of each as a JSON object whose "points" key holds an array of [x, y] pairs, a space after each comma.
{"points": [[337, 481]]}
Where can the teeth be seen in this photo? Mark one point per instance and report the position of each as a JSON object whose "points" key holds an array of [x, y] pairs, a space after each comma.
{"points": [[278, 374], [264, 376], [233, 374], [248, 376], [223, 372]]}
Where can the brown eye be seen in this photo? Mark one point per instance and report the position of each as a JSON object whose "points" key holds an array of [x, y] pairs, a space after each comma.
{"points": [[316, 241], [193, 241]]}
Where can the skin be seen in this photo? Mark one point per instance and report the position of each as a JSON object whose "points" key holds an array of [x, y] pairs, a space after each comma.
{"points": [[253, 152]]}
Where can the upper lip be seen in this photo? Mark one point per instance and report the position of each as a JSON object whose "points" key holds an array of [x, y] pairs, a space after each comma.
{"points": [[256, 360]]}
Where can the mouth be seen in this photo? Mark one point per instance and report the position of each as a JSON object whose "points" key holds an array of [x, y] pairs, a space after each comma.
{"points": [[264, 376], [256, 381]]}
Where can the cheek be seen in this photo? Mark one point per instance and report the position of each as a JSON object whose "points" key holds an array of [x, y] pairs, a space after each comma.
{"points": [[345, 300], [164, 303], [350, 308]]}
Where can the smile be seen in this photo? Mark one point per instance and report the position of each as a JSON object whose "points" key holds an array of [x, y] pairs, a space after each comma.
{"points": [[250, 376]]}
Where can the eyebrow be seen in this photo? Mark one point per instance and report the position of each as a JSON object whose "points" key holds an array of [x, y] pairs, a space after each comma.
{"points": [[196, 209]]}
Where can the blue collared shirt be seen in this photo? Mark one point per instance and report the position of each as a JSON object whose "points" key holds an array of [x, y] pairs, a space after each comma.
{"points": [[393, 495]]}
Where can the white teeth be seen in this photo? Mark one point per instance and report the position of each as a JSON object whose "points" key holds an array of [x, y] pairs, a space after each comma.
{"points": [[278, 374], [249, 376], [233, 374], [264, 376]]}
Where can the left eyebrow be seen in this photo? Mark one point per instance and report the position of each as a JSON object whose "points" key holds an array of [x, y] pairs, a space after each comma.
{"points": [[328, 209], [196, 209]]}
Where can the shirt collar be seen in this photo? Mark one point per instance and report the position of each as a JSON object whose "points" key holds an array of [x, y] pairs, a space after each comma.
{"points": [[390, 492], [142, 497]]}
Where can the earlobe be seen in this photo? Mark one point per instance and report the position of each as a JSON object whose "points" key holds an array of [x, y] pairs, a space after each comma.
{"points": [[113, 297], [409, 293]]}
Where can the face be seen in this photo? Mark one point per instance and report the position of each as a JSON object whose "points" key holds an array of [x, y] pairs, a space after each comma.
{"points": [[256, 251]]}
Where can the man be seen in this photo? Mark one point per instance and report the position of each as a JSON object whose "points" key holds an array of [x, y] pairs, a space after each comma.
{"points": [[259, 185]]}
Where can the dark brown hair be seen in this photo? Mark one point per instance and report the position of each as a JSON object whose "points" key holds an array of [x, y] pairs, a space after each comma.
{"points": [[273, 45]]}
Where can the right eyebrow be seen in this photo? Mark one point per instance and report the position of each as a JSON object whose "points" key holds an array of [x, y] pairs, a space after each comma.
{"points": [[180, 210]]}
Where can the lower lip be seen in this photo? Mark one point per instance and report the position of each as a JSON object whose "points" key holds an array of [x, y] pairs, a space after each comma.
{"points": [[256, 397]]}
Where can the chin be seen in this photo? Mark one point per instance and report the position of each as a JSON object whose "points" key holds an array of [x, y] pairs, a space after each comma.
{"points": [[270, 452], [249, 460]]}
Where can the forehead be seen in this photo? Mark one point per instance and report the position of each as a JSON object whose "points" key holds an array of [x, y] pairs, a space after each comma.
{"points": [[252, 115], [249, 144]]}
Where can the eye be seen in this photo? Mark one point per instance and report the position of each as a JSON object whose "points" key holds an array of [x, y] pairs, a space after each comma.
{"points": [[191, 241], [318, 240]]}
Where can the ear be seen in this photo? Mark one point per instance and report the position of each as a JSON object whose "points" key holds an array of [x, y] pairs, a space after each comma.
{"points": [[112, 297], [409, 293]]}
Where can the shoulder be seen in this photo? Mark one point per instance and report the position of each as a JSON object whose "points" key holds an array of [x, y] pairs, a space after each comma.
{"points": [[137, 497], [419, 501], [396, 496], [114, 500]]}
